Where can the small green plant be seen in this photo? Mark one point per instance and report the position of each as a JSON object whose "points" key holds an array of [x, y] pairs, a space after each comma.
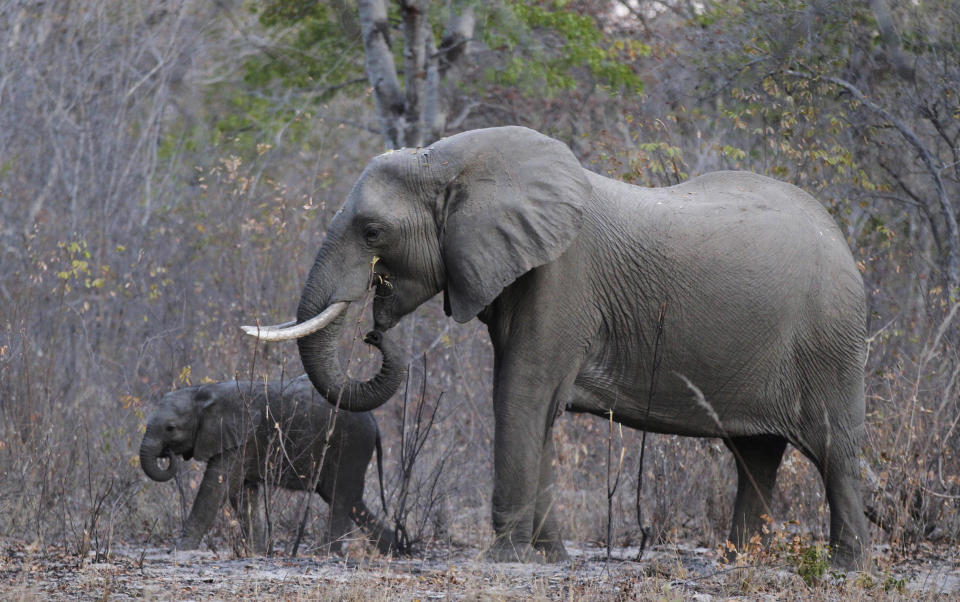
{"points": [[811, 561], [894, 584]]}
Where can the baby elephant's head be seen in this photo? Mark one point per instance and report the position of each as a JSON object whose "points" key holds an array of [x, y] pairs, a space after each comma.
{"points": [[172, 429]]}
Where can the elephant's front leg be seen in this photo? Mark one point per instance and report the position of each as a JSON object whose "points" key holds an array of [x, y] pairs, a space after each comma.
{"points": [[519, 446], [547, 539], [210, 497]]}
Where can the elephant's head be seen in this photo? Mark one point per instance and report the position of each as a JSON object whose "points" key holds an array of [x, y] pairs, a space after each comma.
{"points": [[200, 421], [467, 216]]}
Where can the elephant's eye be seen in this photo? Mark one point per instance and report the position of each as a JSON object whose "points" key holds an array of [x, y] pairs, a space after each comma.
{"points": [[372, 234], [170, 428]]}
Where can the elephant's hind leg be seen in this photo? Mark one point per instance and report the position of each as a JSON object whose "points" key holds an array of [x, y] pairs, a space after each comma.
{"points": [[381, 535], [835, 449], [849, 539], [758, 459], [246, 504], [848, 524]]}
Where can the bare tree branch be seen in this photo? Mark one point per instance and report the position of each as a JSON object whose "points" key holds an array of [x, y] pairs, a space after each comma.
{"points": [[931, 162], [434, 117], [381, 71], [456, 36], [414, 59]]}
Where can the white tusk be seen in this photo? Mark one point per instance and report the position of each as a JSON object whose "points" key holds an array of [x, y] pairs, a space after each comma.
{"points": [[292, 330], [276, 326]]}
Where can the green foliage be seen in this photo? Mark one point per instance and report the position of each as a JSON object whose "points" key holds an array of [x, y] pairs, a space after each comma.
{"points": [[311, 48], [310, 57], [892, 583], [811, 561], [550, 45]]}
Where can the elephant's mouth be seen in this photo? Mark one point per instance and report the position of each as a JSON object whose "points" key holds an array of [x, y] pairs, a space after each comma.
{"points": [[183, 449], [169, 453], [152, 463], [384, 310]]}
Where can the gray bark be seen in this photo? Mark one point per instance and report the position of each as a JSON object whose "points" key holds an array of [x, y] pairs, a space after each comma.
{"points": [[890, 39], [381, 71], [456, 36], [414, 68], [412, 116], [433, 114]]}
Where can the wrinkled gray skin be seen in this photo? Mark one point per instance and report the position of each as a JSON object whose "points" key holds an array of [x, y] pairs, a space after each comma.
{"points": [[227, 425], [763, 313]]}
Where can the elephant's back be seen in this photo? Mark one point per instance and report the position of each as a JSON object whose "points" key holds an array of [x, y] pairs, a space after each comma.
{"points": [[750, 198], [730, 252], [724, 199], [736, 225], [307, 413]]}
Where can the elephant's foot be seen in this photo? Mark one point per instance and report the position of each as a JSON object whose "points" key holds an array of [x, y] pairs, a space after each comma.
{"points": [[847, 557], [187, 542], [387, 545], [333, 547], [728, 553], [505, 550], [551, 550]]}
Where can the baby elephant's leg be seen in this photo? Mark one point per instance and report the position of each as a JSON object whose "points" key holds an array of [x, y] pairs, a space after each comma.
{"points": [[246, 503], [381, 535], [346, 505], [210, 497], [334, 488]]}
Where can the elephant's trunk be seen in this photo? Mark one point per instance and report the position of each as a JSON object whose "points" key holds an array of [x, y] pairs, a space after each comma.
{"points": [[318, 352], [150, 452]]}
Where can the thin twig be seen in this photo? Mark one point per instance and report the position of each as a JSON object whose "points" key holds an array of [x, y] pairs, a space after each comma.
{"points": [[612, 489], [654, 372]]}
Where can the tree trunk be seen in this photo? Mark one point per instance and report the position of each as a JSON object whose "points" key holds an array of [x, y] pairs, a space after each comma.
{"points": [[413, 116]]}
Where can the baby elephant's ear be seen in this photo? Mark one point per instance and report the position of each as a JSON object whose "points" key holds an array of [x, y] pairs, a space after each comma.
{"points": [[224, 422]]}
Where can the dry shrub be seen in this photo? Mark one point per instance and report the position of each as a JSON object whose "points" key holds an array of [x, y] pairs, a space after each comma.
{"points": [[913, 410]]}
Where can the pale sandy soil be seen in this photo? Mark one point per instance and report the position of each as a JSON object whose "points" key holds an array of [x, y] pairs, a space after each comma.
{"points": [[27, 572]]}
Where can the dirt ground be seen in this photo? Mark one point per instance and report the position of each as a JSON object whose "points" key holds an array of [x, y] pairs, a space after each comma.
{"points": [[30, 573]]}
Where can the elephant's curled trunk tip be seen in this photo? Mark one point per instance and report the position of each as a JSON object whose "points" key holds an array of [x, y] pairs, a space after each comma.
{"points": [[319, 355], [150, 463]]}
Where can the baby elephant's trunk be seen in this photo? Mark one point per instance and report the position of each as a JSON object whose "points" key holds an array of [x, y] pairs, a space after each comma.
{"points": [[150, 461]]}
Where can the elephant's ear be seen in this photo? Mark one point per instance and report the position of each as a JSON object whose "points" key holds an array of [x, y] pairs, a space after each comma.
{"points": [[513, 201], [225, 422]]}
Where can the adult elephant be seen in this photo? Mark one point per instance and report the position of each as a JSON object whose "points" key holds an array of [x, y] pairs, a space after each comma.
{"points": [[758, 302]]}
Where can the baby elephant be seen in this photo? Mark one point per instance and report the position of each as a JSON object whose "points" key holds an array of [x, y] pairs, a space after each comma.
{"points": [[246, 431]]}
